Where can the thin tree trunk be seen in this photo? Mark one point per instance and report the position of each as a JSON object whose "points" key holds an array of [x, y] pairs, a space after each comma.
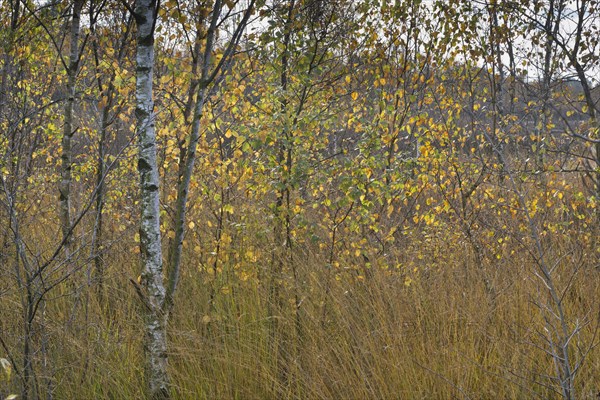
{"points": [[68, 129], [153, 290], [585, 85], [8, 47], [512, 67], [26, 283], [97, 238], [108, 95], [280, 337], [29, 390], [551, 27], [207, 76], [558, 334], [188, 168], [495, 38]]}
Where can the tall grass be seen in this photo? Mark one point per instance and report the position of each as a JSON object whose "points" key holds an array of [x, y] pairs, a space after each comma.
{"points": [[415, 322]]}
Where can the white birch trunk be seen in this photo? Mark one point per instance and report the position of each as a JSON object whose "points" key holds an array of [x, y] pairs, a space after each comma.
{"points": [[150, 236]]}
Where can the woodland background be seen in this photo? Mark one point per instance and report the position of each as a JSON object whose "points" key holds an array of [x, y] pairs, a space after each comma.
{"points": [[352, 199]]}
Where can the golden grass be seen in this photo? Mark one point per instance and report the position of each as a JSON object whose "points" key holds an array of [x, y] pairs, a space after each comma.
{"points": [[427, 329]]}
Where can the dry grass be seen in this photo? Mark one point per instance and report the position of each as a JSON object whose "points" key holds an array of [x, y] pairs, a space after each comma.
{"points": [[416, 322]]}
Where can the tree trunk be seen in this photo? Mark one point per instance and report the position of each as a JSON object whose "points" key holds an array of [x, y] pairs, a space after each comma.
{"points": [[153, 290], [187, 163], [108, 95], [68, 131], [190, 157]]}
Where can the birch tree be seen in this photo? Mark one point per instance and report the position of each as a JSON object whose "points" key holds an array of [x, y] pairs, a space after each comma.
{"points": [[68, 129], [152, 289], [108, 108], [208, 75]]}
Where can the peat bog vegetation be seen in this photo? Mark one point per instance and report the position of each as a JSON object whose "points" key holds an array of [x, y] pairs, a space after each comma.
{"points": [[299, 199]]}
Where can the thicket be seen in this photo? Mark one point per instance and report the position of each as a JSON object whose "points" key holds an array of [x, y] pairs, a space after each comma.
{"points": [[388, 200]]}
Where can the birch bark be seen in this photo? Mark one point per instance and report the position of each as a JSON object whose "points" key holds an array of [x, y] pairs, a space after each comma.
{"points": [[150, 236]]}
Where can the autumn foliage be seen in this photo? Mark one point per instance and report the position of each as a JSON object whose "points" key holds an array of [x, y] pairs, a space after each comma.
{"points": [[387, 201]]}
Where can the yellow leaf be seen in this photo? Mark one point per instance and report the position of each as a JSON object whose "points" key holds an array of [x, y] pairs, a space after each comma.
{"points": [[354, 96], [191, 225], [7, 366], [244, 276]]}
